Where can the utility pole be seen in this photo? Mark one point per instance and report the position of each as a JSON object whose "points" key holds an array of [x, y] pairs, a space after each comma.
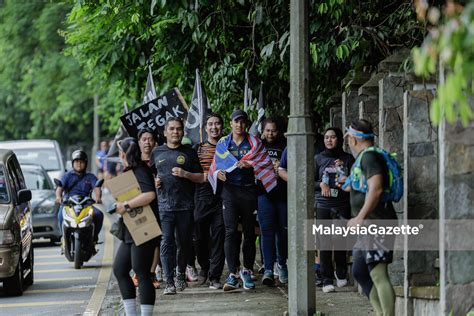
{"points": [[95, 146], [301, 299]]}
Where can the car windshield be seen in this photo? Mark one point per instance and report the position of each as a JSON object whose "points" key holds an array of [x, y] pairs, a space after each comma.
{"points": [[3, 187], [36, 180], [45, 157]]}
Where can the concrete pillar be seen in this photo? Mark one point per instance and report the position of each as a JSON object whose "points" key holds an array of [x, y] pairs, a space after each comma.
{"points": [[369, 102], [335, 117], [420, 201], [350, 98], [391, 89], [456, 190], [301, 287]]}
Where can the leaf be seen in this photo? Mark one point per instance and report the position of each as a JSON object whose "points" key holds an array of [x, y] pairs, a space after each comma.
{"points": [[267, 50]]}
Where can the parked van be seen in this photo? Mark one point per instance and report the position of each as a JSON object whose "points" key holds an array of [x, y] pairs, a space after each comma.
{"points": [[16, 229], [43, 152]]}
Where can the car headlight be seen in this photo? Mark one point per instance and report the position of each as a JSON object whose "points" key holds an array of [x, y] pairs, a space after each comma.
{"points": [[46, 209], [6, 237]]}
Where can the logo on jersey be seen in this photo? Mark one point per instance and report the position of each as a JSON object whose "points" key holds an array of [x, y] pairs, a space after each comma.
{"points": [[180, 160]]}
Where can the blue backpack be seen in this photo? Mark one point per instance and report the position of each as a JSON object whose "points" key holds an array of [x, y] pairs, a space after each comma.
{"points": [[394, 191]]}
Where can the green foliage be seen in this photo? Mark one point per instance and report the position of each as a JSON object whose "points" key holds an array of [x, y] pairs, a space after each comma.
{"points": [[115, 40], [42, 92], [451, 44]]}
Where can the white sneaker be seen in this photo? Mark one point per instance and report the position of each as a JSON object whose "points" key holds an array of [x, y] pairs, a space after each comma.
{"points": [[276, 271], [340, 282], [329, 288]]}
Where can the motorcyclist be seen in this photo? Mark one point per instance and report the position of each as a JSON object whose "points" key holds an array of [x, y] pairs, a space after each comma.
{"points": [[80, 182]]}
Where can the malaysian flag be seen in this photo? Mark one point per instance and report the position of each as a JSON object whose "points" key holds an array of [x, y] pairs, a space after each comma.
{"points": [[257, 157]]}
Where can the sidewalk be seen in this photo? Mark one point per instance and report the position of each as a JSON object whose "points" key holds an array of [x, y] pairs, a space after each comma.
{"points": [[263, 300]]}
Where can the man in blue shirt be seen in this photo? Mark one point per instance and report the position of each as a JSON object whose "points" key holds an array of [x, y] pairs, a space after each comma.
{"points": [[80, 182], [239, 200]]}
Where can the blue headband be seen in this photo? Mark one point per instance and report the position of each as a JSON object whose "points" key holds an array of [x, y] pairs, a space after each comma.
{"points": [[356, 133]]}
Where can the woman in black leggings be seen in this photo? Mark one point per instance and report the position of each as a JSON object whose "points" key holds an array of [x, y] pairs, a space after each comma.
{"points": [[129, 256]]}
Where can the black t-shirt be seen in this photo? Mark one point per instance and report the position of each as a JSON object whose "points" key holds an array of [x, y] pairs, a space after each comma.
{"points": [[205, 152], [275, 151], [372, 164], [144, 176], [324, 163], [175, 193]]}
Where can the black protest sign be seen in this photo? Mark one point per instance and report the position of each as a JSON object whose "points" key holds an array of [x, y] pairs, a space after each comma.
{"points": [[154, 114]]}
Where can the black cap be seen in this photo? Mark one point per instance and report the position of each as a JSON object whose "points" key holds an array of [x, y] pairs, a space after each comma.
{"points": [[239, 113]]}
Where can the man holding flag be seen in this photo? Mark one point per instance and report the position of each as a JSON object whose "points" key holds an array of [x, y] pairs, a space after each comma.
{"points": [[240, 158]]}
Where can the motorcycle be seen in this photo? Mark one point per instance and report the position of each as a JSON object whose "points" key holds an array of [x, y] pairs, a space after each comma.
{"points": [[78, 227]]}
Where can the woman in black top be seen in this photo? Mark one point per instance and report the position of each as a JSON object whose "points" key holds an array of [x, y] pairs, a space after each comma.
{"points": [[332, 202], [129, 256]]}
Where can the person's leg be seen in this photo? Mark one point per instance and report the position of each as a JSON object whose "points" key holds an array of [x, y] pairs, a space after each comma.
{"points": [[327, 270], [247, 209], [184, 224], [98, 218], [60, 218], [361, 274], [229, 213], [384, 290], [168, 245], [202, 240], [282, 232], [121, 268], [217, 244], [141, 264], [267, 220]]}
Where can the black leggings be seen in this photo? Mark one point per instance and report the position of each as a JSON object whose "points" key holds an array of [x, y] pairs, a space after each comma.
{"points": [[140, 259]]}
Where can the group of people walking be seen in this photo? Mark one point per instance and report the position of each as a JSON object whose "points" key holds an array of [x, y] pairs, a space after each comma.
{"points": [[208, 198]]}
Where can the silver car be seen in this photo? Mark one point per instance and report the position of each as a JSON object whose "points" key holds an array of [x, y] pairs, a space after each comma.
{"points": [[44, 152], [44, 209]]}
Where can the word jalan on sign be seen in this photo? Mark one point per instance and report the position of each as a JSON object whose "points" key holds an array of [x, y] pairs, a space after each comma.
{"points": [[154, 114]]}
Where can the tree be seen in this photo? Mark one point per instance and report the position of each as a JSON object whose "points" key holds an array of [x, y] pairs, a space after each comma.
{"points": [[43, 92], [115, 40], [450, 43]]}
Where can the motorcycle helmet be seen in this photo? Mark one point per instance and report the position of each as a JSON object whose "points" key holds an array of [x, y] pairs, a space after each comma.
{"points": [[79, 155]]}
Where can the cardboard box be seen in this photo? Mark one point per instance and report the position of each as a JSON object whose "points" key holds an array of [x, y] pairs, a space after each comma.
{"points": [[141, 221]]}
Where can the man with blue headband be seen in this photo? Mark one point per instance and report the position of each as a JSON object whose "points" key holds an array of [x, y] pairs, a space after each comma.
{"points": [[369, 177]]}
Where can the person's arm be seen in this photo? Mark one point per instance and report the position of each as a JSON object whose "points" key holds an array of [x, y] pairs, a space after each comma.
{"points": [[193, 177], [98, 195], [59, 195], [374, 193], [142, 199], [283, 173]]}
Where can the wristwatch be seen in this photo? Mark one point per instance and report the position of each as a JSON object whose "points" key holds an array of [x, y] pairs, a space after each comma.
{"points": [[127, 206]]}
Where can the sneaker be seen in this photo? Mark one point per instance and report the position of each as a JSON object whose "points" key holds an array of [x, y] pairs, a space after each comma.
{"points": [[253, 276], [181, 282], [191, 274], [340, 282], [156, 283], [246, 276], [328, 288], [276, 271], [231, 283], [159, 274], [170, 289], [135, 279], [215, 285], [283, 273], [319, 279], [268, 278], [261, 270], [201, 279]]}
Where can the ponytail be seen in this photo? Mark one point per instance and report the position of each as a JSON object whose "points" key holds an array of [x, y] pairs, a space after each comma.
{"points": [[132, 151]]}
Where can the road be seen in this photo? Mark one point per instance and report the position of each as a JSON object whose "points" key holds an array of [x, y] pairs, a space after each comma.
{"points": [[58, 288]]}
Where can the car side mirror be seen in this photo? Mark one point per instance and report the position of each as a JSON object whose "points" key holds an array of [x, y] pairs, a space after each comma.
{"points": [[58, 182], [99, 183], [24, 196]]}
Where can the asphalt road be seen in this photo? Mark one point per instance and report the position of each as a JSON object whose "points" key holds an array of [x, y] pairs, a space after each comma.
{"points": [[58, 288]]}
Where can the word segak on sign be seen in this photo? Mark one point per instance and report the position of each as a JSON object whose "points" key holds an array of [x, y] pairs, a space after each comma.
{"points": [[154, 114]]}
